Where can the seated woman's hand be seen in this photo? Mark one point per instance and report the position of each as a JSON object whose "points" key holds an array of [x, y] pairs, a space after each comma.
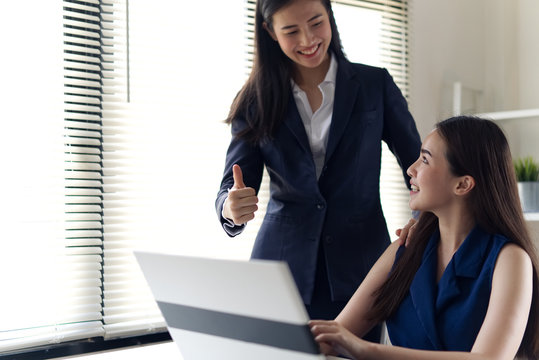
{"points": [[335, 339]]}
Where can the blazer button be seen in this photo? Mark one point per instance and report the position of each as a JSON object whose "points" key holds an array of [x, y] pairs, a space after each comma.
{"points": [[320, 206], [328, 239]]}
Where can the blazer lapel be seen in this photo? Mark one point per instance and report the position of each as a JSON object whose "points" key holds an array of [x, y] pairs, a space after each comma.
{"points": [[346, 89], [294, 123], [423, 292]]}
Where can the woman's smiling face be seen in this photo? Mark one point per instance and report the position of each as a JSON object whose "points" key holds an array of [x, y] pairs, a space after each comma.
{"points": [[432, 182], [303, 31]]}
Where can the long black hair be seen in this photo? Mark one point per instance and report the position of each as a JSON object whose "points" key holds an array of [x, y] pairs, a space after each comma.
{"points": [[475, 147], [263, 99]]}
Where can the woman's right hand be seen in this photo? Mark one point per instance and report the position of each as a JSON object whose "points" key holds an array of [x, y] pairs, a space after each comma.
{"points": [[333, 339], [240, 205], [405, 233]]}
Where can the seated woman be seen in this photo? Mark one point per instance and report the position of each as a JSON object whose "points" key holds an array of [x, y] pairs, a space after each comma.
{"points": [[466, 287]]}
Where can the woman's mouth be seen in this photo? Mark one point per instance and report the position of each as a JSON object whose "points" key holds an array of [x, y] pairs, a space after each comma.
{"points": [[414, 188], [309, 51]]}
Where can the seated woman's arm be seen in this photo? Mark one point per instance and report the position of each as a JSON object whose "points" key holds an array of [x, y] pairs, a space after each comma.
{"points": [[355, 315], [499, 337]]}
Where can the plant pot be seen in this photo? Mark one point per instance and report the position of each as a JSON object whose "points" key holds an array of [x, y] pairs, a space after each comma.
{"points": [[529, 195]]}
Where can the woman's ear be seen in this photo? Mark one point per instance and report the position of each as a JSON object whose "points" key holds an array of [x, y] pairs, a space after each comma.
{"points": [[464, 185], [269, 30]]}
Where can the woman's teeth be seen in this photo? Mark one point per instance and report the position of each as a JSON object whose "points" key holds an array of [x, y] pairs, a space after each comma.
{"points": [[414, 188], [309, 51]]}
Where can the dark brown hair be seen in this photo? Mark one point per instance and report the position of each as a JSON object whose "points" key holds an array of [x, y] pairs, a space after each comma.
{"points": [[263, 99], [475, 147]]}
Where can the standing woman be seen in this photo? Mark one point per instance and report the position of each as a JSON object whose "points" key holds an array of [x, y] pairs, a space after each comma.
{"points": [[316, 122]]}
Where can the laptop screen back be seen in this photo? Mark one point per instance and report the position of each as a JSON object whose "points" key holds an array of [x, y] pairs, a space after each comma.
{"points": [[230, 309]]}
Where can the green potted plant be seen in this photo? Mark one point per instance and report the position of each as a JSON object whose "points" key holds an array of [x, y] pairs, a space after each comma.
{"points": [[527, 172]]}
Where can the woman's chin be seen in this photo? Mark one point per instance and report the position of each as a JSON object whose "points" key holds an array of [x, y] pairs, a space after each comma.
{"points": [[414, 207]]}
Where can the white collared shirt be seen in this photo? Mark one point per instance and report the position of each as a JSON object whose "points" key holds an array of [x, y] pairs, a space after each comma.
{"points": [[317, 124]]}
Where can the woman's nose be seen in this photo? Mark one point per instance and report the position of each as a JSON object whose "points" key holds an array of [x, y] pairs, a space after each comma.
{"points": [[306, 38], [411, 170]]}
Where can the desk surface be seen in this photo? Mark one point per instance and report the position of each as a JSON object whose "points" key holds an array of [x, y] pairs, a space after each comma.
{"points": [[161, 351]]}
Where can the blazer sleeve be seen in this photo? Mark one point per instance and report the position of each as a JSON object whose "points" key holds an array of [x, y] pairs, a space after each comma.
{"points": [[249, 158], [400, 131]]}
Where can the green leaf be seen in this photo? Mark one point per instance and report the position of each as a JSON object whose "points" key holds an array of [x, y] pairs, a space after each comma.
{"points": [[526, 169]]}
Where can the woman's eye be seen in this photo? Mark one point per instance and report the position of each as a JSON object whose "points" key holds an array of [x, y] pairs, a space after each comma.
{"points": [[424, 160], [317, 24], [291, 33]]}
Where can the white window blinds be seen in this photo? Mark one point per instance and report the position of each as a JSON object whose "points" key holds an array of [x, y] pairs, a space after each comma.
{"points": [[164, 143], [82, 154], [128, 308], [51, 218]]}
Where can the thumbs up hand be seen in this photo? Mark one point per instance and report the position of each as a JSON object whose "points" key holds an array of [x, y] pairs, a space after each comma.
{"points": [[238, 177], [240, 206]]}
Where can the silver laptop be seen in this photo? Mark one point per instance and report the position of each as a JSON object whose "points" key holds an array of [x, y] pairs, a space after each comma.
{"points": [[230, 309]]}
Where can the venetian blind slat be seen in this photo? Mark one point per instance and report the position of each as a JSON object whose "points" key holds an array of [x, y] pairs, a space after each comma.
{"points": [[129, 306], [82, 119]]}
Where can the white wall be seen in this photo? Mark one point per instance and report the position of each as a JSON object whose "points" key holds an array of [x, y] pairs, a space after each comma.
{"points": [[524, 135], [528, 49], [447, 45], [490, 46]]}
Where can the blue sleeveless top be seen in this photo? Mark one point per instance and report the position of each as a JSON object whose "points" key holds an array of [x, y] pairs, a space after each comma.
{"points": [[448, 315]]}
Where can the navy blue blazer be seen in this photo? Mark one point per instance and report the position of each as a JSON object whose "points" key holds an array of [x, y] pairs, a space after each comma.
{"points": [[341, 211], [448, 315]]}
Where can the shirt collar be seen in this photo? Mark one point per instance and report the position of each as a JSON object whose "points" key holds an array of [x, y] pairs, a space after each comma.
{"points": [[331, 75]]}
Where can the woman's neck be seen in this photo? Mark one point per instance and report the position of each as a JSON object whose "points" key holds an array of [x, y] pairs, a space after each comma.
{"points": [[455, 227], [455, 223], [306, 77]]}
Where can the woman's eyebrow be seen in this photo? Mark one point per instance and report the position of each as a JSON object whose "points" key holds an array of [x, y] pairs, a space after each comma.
{"points": [[286, 27], [425, 151], [314, 17]]}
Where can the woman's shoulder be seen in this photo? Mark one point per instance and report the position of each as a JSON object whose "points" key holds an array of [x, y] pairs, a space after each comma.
{"points": [[492, 245], [513, 255], [506, 255], [362, 68], [502, 244], [367, 74]]}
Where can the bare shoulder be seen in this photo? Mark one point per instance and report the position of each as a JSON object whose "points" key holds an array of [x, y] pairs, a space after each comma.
{"points": [[513, 255], [513, 262]]}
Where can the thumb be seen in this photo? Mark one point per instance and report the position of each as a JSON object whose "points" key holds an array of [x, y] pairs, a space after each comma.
{"points": [[238, 177]]}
